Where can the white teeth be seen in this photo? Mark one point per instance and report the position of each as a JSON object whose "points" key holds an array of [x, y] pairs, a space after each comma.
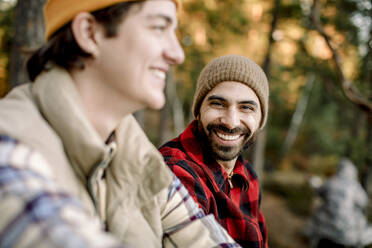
{"points": [[160, 74], [227, 137]]}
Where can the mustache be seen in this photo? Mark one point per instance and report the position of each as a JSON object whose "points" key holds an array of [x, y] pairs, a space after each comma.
{"points": [[223, 128]]}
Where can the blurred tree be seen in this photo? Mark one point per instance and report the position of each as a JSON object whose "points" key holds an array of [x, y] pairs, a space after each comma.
{"points": [[29, 35], [349, 88], [329, 127], [260, 146], [6, 34]]}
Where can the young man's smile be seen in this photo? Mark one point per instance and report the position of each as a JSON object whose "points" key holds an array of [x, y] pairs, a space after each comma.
{"points": [[159, 73]]}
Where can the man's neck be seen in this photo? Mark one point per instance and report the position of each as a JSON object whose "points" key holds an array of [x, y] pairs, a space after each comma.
{"points": [[228, 166], [102, 108]]}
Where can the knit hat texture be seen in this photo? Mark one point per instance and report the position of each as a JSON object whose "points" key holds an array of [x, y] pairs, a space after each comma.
{"points": [[233, 68], [57, 13]]}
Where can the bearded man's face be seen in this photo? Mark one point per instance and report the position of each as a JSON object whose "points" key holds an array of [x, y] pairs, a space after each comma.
{"points": [[229, 117]]}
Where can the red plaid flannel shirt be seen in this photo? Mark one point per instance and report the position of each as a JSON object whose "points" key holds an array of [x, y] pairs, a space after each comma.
{"points": [[236, 208]]}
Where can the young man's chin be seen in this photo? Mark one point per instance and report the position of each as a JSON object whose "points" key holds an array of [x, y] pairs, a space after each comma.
{"points": [[157, 103]]}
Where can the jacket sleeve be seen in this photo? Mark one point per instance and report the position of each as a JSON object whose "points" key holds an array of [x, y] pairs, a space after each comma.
{"points": [[186, 225], [34, 211]]}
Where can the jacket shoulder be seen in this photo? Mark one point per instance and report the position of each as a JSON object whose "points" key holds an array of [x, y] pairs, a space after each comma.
{"points": [[21, 119], [19, 114]]}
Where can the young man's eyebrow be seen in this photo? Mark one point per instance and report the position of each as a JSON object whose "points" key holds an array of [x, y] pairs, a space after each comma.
{"points": [[168, 19]]}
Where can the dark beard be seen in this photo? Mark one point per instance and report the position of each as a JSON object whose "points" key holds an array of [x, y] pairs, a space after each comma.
{"points": [[223, 153]]}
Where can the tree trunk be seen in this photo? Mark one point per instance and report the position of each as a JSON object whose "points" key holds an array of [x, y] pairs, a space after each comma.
{"points": [[173, 108], [177, 109], [259, 154], [298, 115], [367, 78], [29, 35], [259, 148], [163, 125], [163, 130], [367, 175]]}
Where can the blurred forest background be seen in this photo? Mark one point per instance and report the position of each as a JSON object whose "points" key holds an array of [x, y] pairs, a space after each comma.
{"points": [[318, 58]]}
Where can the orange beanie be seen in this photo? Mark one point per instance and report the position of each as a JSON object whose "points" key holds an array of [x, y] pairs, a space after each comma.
{"points": [[59, 12]]}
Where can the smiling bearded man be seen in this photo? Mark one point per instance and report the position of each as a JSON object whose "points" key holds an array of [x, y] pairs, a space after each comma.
{"points": [[230, 107]]}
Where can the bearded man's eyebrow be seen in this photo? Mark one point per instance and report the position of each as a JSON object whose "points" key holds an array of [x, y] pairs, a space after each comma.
{"points": [[215, 97], [250, 102]]}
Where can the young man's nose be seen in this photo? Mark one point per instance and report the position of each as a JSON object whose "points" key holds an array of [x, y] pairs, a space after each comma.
{"points": [[174, 52], [231, 118]]}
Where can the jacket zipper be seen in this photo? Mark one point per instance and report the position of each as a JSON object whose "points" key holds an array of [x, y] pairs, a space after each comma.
{"points": [[92, 178]]}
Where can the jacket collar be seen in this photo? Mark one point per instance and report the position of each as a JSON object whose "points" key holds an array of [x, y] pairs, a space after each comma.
{"points": [[191, 141], [59, 102]]}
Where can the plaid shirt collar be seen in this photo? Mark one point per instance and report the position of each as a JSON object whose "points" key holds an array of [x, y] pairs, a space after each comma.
{"points": [[191, 141]]}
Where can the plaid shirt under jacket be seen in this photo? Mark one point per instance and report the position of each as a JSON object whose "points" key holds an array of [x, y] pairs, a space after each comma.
{"points": [[235, 205]]}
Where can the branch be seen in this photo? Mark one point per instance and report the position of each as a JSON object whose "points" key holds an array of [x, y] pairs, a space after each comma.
{"points": [[348, 89]]}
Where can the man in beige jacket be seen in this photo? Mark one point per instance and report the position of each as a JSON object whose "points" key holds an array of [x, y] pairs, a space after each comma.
{"points": [[75, 168]]}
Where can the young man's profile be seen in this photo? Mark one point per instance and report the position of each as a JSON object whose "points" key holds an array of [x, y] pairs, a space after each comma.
{"points": [[75, 168]]}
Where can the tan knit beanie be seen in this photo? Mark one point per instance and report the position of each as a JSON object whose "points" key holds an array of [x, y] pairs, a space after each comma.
{"points": [[57, 13], [232, 68]]}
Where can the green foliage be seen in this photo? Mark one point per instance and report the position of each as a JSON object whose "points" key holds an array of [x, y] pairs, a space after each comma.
{"points": [[235, 21], [329, 127], [291, 10]]}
